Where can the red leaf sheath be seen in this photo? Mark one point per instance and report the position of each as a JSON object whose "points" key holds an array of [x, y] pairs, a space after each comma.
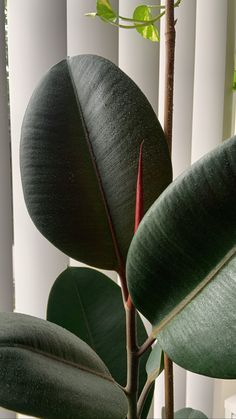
{"points": [[139, 208], [139, 211]]}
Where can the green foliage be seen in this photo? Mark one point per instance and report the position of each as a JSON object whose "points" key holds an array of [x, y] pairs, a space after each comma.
{"points": [[89, 304], [105, 11], [82, 196], [189, 413], [181, 266], [143, 19], [150, 31], [80, 145], [48, 372], [100, 321]]}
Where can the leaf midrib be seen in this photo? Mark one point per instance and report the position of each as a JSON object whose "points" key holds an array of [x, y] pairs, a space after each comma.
{"points": [[56, 358], [92, 343], [196, 291], [100, 185]]}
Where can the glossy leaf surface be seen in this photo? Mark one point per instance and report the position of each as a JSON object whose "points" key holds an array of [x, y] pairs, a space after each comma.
{"points": [[47, 372], [182, 266], [150, 31], [79, 157], [89, 304]]}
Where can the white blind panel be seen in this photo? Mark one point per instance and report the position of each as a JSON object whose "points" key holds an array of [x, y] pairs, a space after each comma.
{"points": [[37, 40], [183, 86], [6, 275], [209, 82], [138, 57], [90, 36]]}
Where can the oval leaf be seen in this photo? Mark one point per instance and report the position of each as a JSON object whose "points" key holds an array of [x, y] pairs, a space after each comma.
{"points": [[79, 156], [98, 321], [182, 269], [48, 372], [189, 413], [150, 31]]}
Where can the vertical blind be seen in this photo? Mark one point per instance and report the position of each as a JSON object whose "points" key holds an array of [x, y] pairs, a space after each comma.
{"points": [[41, 33]]}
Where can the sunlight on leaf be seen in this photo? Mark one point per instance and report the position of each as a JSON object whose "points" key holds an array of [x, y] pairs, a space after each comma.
{"points": [[105, 11], [150, 31]]}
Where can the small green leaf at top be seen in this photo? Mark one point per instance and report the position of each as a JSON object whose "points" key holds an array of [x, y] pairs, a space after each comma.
{"points": [[150, 31], [155, 362], [188, 413], [105, 11]]}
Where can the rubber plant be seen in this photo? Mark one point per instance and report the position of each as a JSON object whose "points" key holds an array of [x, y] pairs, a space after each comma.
{"points": [[94, 162]]}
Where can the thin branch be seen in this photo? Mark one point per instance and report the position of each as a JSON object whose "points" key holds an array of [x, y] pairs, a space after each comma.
{"points": [[146, 345], [132, 360], [169, 72], [141, 25], [168, 128], [169, 388], [143, 396], [123, 284]]}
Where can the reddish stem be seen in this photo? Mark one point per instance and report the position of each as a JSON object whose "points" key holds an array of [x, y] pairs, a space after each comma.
{"points": [[139, 210]]}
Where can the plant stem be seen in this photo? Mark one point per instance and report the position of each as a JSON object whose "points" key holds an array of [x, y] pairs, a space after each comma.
{"points": [[169, 71], [169, 388], [143, 396], [146, 345], [141, 25], [132, 360], [123, 284], [168, 127]]}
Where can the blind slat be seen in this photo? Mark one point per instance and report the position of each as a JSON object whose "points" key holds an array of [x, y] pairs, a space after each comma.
{"points": [[37, 40]]}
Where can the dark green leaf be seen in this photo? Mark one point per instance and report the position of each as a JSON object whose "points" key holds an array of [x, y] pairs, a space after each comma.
{"points": [[90, 305], [189, 413], [155, 363], [79, 158], [182, 269], [105, 11], [150, 31], [48, 372]]}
